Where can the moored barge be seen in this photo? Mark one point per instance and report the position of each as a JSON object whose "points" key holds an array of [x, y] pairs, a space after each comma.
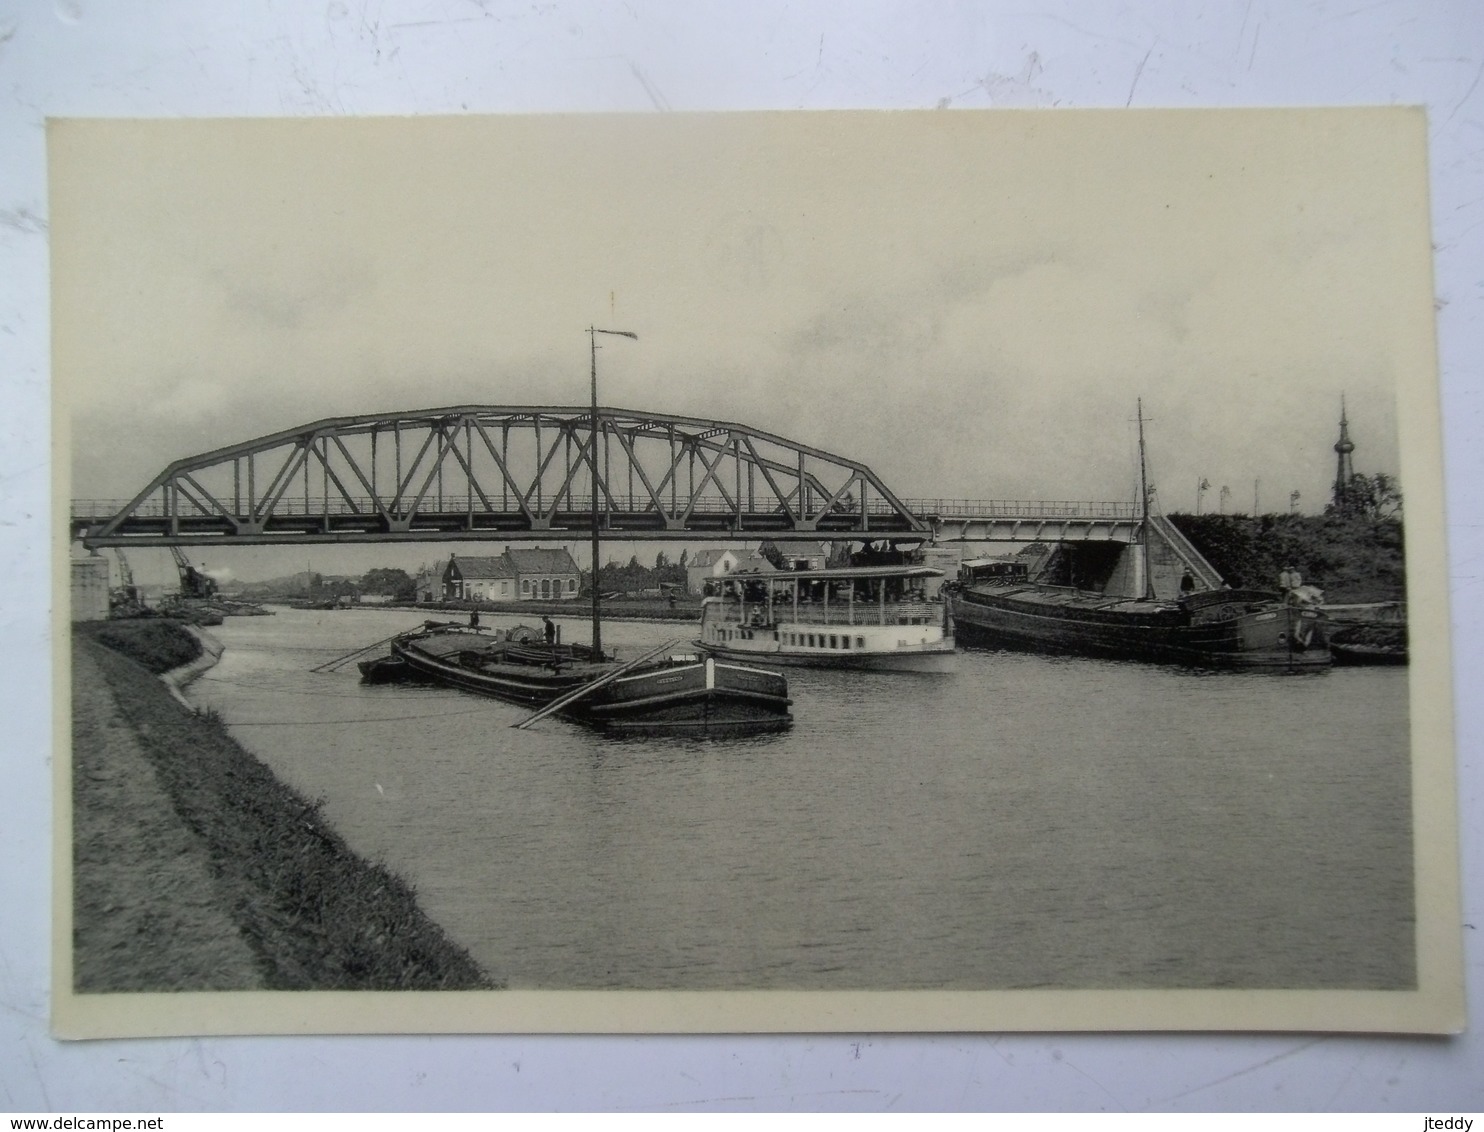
{"points": [[674, 694], [1208, 624], [1216, 628]]}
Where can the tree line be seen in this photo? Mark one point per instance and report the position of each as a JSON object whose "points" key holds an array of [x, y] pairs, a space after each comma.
{"points": [[1355, 551]]}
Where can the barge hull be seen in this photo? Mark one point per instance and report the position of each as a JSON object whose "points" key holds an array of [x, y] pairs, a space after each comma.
{"points": [[1249, 641], [690, 697]]}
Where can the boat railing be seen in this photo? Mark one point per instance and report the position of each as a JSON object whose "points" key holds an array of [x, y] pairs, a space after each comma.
{"points": [[755, 614]]}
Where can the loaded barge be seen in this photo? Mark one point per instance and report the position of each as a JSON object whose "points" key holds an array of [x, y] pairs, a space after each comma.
{"points": [[674, 694], [1216, 628], [1113, 610]]}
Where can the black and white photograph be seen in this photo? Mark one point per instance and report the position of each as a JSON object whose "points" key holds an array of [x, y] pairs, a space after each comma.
{"points": [[863, 571], [1005, 483]]}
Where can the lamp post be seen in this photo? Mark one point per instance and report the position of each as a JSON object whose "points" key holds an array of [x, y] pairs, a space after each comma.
{"points": [[592, 335]]}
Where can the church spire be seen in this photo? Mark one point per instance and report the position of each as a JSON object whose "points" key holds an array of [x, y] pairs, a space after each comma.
{"points": [[1344, 469]]}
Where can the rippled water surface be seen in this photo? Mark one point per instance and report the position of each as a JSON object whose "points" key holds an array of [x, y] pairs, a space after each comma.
{"points": [[1024, 822]]}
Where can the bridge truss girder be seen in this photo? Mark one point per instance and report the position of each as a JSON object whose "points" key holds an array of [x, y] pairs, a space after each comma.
{"points": [[479, 472], [1047, 528]]}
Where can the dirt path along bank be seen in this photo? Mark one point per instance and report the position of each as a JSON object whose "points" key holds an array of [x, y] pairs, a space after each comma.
{"points": [[194, 868]]}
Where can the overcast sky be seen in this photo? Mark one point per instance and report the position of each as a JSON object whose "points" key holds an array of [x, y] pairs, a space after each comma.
{"points": [[968, 302]]}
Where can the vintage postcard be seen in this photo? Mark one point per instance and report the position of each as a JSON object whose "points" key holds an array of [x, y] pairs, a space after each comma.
{"points": [[750, 572]]}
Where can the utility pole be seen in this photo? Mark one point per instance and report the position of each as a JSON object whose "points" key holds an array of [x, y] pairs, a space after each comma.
{"points": [[592, 334], [1144, 514]]}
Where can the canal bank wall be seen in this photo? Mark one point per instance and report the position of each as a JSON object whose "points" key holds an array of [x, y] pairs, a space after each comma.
{"points": [[195, 868], [618, 609]]}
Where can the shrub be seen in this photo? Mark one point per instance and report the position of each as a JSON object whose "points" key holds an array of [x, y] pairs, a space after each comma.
{"points": [[158, 643]]}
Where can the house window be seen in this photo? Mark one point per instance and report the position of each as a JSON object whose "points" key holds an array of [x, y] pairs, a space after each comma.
{"points": [[545, 587], [834, 641], [860, 642], [571, 585], [525, 586]]}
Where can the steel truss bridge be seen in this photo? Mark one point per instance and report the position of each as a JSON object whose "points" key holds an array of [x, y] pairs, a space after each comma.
{"points": [[481, 473]]}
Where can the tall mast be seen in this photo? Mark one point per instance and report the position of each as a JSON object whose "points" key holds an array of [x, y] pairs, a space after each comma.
{"points": [[1144, 507], [592, 335]]}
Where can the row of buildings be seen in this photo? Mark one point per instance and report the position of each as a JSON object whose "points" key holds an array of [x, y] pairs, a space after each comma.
{"points": [[540, 574]]}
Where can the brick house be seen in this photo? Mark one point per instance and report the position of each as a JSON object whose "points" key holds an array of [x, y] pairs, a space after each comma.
{"points": [[516, 575]]}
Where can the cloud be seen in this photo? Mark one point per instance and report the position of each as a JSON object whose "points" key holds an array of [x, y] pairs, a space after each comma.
{"points": [[300, 300]]}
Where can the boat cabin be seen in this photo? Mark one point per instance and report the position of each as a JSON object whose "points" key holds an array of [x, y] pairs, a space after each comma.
{"points": [[873, 617], [862, 595], [992, 571]]}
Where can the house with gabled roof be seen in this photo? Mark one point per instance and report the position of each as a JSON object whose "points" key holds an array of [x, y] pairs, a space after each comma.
{"points": [[708, 565], [534, 574], [803, 555]]}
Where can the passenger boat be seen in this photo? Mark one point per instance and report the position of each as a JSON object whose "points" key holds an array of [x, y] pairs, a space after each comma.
{"points": [[868, 617], [1115, 612], [676, 694]]}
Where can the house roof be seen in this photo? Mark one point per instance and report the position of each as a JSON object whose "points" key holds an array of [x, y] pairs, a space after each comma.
{"points": [[755, 564], [479, 566], [804, 550], [708, 557], [542, 560]]}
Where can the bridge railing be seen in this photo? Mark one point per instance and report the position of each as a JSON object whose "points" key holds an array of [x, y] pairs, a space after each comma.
{"points": [[946, 508], [363, 505], [1022, 508]]}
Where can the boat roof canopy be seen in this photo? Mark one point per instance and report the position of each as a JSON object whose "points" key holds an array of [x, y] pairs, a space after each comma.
{"points": [[838, 573]]}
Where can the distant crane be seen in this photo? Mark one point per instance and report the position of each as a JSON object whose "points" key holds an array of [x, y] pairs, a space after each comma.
{"points": [[193, 583], [127, 595]]}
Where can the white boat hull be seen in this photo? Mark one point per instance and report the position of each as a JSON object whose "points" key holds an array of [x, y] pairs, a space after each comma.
{"points": [[936, 658], [881, 625]]}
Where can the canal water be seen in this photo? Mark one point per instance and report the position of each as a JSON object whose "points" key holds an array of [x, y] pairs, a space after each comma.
{"points": [[1025, 822]]}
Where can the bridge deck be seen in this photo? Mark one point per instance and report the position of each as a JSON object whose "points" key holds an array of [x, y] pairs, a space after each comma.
{"points": [[357, 519]]}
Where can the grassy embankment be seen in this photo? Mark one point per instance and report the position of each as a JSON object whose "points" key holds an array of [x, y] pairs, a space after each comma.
{"points": [[1352, 559], [196, 869]]}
